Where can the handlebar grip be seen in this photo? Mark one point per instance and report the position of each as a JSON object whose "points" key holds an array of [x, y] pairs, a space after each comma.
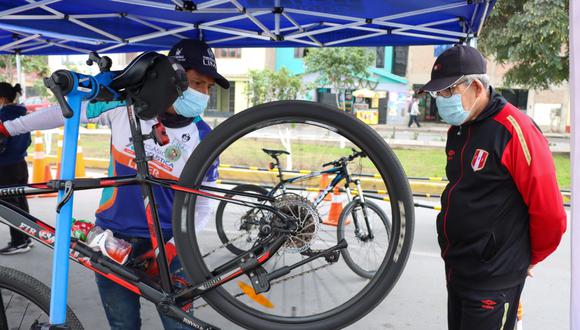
{"points": [[327, 164]]}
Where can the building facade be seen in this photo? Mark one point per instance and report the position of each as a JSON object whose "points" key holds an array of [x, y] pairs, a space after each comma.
{"points": [[548, 108]]}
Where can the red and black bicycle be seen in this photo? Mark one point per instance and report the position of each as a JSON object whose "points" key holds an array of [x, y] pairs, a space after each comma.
{"points": [[273, 284]]}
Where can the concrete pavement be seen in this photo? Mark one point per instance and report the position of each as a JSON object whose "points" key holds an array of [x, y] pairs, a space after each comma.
{"points": [[418, 301]]}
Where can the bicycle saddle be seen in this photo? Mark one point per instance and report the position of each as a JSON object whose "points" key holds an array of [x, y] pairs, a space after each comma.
{"points": [[152, 82], [275, 153]]}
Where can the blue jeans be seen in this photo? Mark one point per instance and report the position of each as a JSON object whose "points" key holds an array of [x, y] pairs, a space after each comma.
{"points": [[121, 305]]}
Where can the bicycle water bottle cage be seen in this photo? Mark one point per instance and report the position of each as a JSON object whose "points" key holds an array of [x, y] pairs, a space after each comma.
{"points": [[152, 82]]}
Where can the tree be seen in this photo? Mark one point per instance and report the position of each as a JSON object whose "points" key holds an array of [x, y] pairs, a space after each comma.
{"points": [[339, 67], [267, 85], [30, 64], [532, 35]]}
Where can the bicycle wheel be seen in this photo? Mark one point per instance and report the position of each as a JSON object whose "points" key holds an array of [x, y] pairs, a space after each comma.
{"points": [[318, 294], [25, 300], [364, 253], [236, 226]]}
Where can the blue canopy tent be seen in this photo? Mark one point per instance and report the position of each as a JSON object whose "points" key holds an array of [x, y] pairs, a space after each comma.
{"points": [[50, 27]]}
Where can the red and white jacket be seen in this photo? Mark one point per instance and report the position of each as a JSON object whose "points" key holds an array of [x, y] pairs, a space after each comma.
{"points": [[502, 209]]}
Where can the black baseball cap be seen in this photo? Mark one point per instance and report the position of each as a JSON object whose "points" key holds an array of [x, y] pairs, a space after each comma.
{"points": [[452, 65], [196, 54]]}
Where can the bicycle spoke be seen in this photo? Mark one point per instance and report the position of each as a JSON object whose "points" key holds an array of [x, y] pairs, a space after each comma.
{"points": [[317, 280]]}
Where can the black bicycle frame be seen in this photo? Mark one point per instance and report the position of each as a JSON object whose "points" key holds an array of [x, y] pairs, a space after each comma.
{"points": [[163, 296]]}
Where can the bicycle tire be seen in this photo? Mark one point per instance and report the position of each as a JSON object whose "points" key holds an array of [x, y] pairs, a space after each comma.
{"points": [[220, 215], [14, 281], [341, 233], [309, 113]]}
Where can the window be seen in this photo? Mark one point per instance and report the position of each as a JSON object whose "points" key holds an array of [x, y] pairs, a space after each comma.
{"points": [[400, 57], [380, 63], [213, 95], [300, 52], [228, 53], [232, 94], [222, 102]]}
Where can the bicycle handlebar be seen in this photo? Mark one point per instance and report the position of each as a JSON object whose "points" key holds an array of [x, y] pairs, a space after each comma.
{"points": [[343, 160]]}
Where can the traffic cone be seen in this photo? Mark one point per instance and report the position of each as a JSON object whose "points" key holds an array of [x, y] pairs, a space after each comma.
{"points": [[59, 153], [323, 184], [335, 209], [40, 165], [80, 170], [38, 160], [519, 324]]}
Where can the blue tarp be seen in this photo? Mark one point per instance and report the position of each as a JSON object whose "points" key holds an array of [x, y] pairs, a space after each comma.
{"points": [[79, 26]]}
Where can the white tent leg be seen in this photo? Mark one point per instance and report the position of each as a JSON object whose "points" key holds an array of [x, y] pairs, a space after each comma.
{"points": [[19, 75], [575, 143]]}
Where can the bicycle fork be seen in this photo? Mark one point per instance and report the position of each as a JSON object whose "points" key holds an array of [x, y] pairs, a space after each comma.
{"points": [[357, 230]]}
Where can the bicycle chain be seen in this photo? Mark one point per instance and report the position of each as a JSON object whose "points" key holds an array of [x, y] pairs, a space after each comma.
{"points": [[223, 245]]}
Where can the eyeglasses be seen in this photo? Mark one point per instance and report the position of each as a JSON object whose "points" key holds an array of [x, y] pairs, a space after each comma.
{"points": [[448, 92]]}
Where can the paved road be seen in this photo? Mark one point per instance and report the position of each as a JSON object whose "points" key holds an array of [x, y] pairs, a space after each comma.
{"points": [[417, 302]]}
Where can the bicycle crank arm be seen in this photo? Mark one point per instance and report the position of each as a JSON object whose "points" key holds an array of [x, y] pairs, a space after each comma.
{"points": [[261, 279], [247, 262]]}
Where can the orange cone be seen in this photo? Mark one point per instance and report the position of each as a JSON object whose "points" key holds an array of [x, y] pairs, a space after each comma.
{"points": [[38, 160], [519, 324], [40, 165], [47, 173], [323, 184], [80, 170], [335, 209], [59, 153]]}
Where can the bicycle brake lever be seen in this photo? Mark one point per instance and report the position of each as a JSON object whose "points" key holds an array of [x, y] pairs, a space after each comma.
{"points": [[68, 191]]}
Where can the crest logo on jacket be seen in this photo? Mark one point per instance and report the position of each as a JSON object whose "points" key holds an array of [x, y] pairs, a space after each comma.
{"points": [[479, 159]]}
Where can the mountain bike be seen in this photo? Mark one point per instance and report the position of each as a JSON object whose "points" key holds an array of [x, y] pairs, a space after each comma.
{"points": [[275, 284], [370, 228]]}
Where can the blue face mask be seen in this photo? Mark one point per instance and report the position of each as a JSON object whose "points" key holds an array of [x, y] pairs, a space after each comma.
{"points": [[451, 109], [191, 104]]}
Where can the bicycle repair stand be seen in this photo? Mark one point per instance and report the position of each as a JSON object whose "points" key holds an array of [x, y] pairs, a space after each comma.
{"points": [[76, 87]]}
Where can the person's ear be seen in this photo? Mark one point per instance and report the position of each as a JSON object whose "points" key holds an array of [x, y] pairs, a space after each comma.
{"points": [[480, 89]]}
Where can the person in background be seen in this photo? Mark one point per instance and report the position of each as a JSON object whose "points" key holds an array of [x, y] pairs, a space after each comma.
{"points": [[13, 167], [414, 112]]}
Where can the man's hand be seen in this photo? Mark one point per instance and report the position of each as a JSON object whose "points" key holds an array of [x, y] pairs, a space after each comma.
{"points": [[530, 268]]}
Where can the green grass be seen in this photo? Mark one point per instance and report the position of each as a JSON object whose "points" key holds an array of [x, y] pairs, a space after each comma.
{"points": [[416, 162], [95, 146]]}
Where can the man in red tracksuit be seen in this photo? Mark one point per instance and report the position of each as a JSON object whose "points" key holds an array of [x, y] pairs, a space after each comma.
{"points": [[502, 211]]}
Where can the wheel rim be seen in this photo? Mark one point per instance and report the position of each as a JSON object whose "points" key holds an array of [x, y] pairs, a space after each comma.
{"points": [[19, 311], [290, 313]]}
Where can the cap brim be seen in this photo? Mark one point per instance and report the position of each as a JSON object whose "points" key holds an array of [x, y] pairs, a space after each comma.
{"points": [[219, 79], [436, 85]]}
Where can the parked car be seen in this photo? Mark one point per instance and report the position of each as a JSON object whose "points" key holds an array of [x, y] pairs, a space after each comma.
{"points": [[34, 103]]}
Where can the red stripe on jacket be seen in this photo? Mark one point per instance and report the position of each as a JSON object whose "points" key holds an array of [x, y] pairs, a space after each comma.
{"points": [[536, 181]]}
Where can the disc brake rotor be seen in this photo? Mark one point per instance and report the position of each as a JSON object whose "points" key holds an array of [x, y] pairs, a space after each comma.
{"points": [[307, 221]]}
